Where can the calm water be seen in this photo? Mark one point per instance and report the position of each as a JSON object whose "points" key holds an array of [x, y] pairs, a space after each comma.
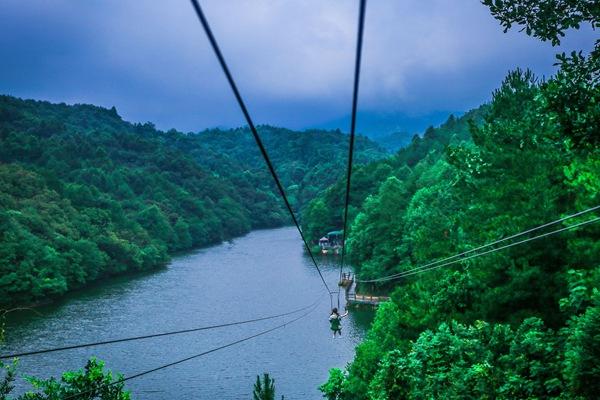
{"points": [[263, 273]]}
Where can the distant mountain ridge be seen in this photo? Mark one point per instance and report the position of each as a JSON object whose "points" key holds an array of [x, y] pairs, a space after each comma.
{"points": [[395, 141], [377, 125]]}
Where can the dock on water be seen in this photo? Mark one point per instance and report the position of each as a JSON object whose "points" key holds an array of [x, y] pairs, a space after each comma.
{"points": [[366, 299], [357, 299], [347, 280]]}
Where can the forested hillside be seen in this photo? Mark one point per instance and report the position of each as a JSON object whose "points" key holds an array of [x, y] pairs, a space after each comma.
{"points": [[307, 162], [366, 179], [85, 195], [523, 322]]}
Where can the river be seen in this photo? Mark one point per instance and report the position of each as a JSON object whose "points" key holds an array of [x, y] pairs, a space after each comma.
{"points": [[263, 273]]}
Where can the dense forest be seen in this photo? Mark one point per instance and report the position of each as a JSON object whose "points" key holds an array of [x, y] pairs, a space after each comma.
{"points": [[519, 323], [85, 195]]}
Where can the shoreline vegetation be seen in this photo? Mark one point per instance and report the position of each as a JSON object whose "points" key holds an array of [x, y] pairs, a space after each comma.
{"points": [[98, 283], [85, 195], [520, 323]]}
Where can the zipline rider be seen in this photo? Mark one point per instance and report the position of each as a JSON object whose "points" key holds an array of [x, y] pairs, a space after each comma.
{"points": [[335, 319]]}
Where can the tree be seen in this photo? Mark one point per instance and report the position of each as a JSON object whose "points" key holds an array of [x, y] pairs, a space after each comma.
{"points": [[545, 19], [573, 95], [333, 389], [264, 389], [92, 383], [156, 223], [85, 195], [319, 219], [377, 230], [531, 157], [7, 381], [583, 351], [92, 380], [182, 231]]}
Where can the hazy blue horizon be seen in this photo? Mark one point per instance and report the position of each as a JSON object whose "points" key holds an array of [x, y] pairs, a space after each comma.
{"points": [[292, 60]]}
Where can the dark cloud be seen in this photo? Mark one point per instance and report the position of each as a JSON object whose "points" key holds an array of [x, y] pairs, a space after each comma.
{"points": [[293, 59]]}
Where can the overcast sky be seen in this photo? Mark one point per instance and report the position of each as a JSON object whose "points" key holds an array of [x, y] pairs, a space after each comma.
{"points": [[292, 59]]}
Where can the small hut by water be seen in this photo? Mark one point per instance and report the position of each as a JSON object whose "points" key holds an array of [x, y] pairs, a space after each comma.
{"points": [[332, 242]]}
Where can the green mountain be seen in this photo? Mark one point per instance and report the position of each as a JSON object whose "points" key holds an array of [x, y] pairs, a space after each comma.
{"points": [[522, 322], [378, 125], [85, 195], [368, 177], [395, 141]]}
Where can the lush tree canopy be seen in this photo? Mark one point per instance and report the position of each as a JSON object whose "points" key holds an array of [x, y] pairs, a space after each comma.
{"points": [[519, 323], [91, 382], [85, 195]]}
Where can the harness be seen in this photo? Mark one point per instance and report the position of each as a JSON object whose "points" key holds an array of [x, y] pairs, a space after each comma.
{"points": [[336, 323]]}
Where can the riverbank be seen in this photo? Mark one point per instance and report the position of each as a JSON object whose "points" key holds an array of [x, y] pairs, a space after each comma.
{"points": [[235, 280], [127, 274]]}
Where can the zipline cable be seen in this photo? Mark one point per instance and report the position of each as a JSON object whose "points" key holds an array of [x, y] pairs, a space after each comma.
{"points": [[259, 143], [128, 378], [171, 333], [485, 245], [508, 245], [359, 41], [414, 271]]}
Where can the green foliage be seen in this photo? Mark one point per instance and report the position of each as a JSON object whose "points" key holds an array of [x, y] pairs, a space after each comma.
{"points": [[333, 389], [478, 362], [92, 382], [572, 96], [8, 378], [583, 351], [326, 210], [264, 389], [371, 243], [85, 195], [528, 157], [389, 381], [545, 19]]}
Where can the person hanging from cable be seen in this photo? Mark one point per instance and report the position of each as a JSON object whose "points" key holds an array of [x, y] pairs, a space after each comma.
{"points": [[335, 319]]}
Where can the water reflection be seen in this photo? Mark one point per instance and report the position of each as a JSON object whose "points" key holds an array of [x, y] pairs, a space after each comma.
{"points": [[263, 273]]}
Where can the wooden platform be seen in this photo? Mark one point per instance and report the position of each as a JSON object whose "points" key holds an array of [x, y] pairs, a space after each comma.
{"points": [[347, 280], [358, 299]]}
